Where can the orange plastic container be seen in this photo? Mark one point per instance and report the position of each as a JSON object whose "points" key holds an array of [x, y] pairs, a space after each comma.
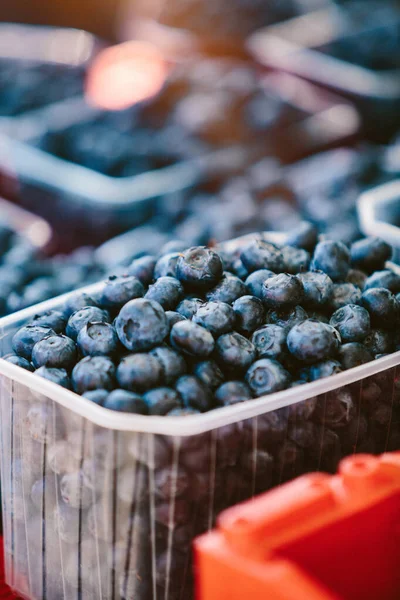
{"points": [[319, 537]]}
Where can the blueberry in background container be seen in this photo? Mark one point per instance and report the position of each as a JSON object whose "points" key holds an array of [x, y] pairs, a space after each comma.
{"points": [[99, 503], [353, 52]]}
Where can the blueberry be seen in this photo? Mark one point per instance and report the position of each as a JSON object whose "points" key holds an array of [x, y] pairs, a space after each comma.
{"points": [[139, 372], [194, 393], [357, 278], [216, 317], [370, 254], [234, 352], [317, 288], [286, 318], [312, 341], [192, 339], [59, 376], [189, 306], [209, 373], [343, 294], [173, 317], [296, 260], [98, 339], [44, 424], [141, 325], [270, 342], [77, 301], [117, 291], [229, 289], [255, 282], [173, 246], [161, 401], [249, 313], [282, 291], [323, 369], [379, 341], [354, 354], [51, 318], [97, 396], [304, 235], [266, 376], [239, 269], [199, 268], [143, 269], [93, 373], [43, 493], [352, 322], [333, 258], [83, 316], [76, 490], [54, 351], [336, 409], [124, 401], [167, 291], [166, 265], [384, 279], [19, 361], [26, 337], [232, 392], [259, 254], [382, 306], [173, 364]]}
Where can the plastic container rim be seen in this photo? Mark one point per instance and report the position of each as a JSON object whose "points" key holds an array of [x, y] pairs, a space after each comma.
{"points": [[174, 426], [366, 205]]}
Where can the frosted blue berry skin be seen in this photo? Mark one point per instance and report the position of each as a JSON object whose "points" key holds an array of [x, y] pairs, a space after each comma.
{"points": [[352, 322], [141, 325], [332, 258], [312, 341], [266, 376], [192, 339]]}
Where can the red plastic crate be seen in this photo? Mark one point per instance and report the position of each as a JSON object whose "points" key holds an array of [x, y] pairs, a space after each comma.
{"points": [[319, 537]]}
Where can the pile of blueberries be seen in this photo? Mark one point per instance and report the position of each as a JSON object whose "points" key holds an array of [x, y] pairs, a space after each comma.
{"points": [[27, 86], [28, 278]]}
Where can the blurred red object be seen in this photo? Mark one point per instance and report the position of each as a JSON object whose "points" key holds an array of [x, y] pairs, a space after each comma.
{"points": [[319, 537], [6, 593]]}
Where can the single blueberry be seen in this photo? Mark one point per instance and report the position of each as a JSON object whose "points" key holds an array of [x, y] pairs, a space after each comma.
{"points": [[139, 372], [333, 258], [357, 278], [191, 339], [270, 342], [379, 341], [199, 268], [166, 265], [209, 373], [143, 269], [14, 359], [229, 289], [296, 260], [117, 291], [304, 235], [354, 354], [259, 254], [97, 396], [83, 316], [286, 318], [59, 376], [266, 376], [239, 269], [234, 352], [55, 351], [384, 279], [26, 337], [76, 490], [189, 306], [255, 282], [141, 325], [282, 291], [343, 294], [77, 301], [249, 313], [124, 401], [323, 369], [93, 373], [312, 341], [317, 288], [194, 393], [370, 254], [232, 392], [173, 317], [173, 364], [51, 318], [167, 291], [98, 339], [161, 401], [382, 306], [216, 317], [352, 322]]}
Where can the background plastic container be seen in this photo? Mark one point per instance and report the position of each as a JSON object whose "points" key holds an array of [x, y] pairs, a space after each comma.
{"points": [[98, 504], [308, 46]]}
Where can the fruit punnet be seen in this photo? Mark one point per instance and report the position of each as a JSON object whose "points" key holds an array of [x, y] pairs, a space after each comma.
{"points": [[181, 332]]}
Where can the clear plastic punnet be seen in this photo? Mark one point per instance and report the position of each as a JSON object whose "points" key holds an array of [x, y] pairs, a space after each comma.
{"points": [[101, 505]]}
